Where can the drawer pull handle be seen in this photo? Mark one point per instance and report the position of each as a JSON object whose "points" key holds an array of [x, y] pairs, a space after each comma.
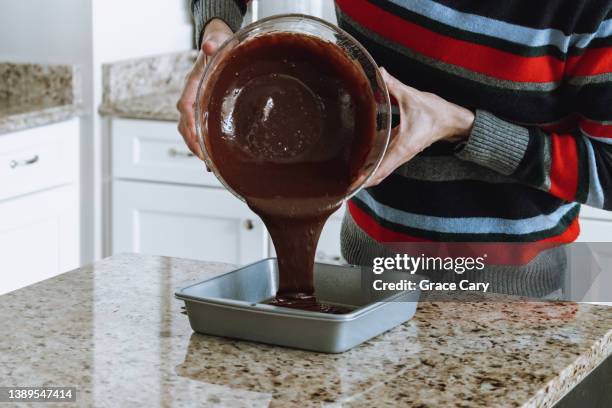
{"points": [[178, 153], [248, 224], [16, 163]]}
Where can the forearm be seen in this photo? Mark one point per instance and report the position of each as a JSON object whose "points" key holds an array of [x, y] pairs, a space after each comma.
{"points": [[230, 11], [571, 166]]}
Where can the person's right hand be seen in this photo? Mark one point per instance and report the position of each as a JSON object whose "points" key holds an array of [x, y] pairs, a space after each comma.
{"points": [[215, 34]]}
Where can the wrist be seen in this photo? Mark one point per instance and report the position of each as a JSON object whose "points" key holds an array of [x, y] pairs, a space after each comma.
{"points": [[462, 122]]}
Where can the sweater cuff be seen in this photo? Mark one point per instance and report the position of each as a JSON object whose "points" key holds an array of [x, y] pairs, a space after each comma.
{"points": [[495, 144], [205, 10]]}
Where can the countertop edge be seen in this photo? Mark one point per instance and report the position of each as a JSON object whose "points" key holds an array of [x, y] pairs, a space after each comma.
{"points": [[572, 375], [111, 111], [37, 118]]}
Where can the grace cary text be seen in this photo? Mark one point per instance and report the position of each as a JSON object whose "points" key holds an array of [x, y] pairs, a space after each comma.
{"points": [[426, 285]]}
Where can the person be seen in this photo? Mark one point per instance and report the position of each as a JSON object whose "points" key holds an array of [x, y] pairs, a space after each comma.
{"points": [[504, 125]]}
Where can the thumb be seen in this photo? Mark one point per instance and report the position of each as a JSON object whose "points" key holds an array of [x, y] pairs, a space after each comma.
{"points": [[394, 86]]}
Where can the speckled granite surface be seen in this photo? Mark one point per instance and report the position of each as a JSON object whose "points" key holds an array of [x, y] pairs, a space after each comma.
{"points": [[145, 88], [35, 95], [115, 331]]}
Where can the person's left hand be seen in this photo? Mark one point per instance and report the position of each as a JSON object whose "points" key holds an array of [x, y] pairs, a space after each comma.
{"points": [[425, 118]]}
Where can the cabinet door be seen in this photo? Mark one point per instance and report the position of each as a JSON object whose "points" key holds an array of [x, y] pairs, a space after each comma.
{"points": [[39, 237], [39, 158], [184, 221]]}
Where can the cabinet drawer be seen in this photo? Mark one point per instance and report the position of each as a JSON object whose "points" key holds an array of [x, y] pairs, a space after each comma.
{"points": [[39, 158], [155, 151], [185, 221]]}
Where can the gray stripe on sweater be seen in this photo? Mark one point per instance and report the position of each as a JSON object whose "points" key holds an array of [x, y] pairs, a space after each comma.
{"points": [[591, 79], [449, 168]]}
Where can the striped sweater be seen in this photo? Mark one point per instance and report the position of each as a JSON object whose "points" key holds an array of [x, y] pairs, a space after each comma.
{"points": [[538, 74]]}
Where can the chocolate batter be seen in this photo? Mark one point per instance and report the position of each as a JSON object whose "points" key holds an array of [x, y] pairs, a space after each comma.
{"points": [[291, 120]]}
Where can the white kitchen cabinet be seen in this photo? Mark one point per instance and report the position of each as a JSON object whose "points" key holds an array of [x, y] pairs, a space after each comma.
{"points": [[39, 204], [39, 158], [185, 221], [154, 151], [39, 237], [165, 203]]}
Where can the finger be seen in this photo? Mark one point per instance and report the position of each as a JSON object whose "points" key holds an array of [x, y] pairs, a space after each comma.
{"points": [[394, 158], [198, 67], [213, 41], [193, 142], [393, 85], [396, 86], [190, 138]]}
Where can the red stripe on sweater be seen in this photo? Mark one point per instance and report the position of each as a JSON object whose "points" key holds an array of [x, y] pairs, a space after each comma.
{"points": [[475, 57], [594, 61], [564, 166], [597, 129], [377, 231]]}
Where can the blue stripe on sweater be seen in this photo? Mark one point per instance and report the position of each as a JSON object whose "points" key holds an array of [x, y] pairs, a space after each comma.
{"points": [[531, 37], [466, 225]]}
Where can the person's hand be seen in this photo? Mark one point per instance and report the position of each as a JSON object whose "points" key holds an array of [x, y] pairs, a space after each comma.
{"points": [[425, 118], [215, 34]]}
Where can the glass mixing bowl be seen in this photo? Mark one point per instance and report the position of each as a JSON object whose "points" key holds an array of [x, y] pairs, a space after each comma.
{"points": [[312, 26]]}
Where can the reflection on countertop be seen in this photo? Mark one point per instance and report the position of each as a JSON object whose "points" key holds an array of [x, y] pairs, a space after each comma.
{"points": [[145, 88], [35, 95], [115, 331]]}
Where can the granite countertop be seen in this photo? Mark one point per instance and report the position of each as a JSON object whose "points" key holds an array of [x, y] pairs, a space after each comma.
{"points": [[35, 95], [115, 331], [145, 88]]}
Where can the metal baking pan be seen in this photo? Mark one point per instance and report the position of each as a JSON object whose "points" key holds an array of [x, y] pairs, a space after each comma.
{"points": [[232, 305]]}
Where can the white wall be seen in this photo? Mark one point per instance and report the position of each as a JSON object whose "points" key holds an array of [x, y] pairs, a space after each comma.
{"points": [[91, 33], [125, 29], [319, 8]]}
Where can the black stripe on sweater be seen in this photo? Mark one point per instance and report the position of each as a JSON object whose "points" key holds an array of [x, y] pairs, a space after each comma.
{"points": [[558, 229], [464, 198], [594, 101], [531, 166], [582, 190]]}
